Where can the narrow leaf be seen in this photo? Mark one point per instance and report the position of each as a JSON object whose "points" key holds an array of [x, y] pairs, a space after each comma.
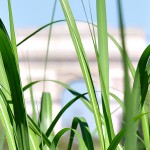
{"points": [[85, 133], [76, 39], [14, 81]]}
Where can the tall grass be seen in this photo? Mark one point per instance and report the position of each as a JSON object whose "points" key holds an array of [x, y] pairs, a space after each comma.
{"points": [[25, 133]]}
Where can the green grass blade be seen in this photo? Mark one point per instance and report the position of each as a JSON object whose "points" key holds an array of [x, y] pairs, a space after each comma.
{"points": [[141, 80], [94, 34], [129, 63], [140, 89], [34, 114], [113, 145], [104, 65], [84, 66], [103, 40], [45, 112], [132, 70], [45, 118], [57, 138], [48, 43], [144, 74], [12, 31], [50, 129], [34, 141], [92, 31], [83, 98], [145, 129], [136, 118], [5, 119], [94, 40], [2, 139], [121, 134], [38, 132], [55, 141], [131, 127], [85, 133], [72, 91], [118, 100], [38, 30], [140, 86], [81, 142], [3, 79], [13, 77]]}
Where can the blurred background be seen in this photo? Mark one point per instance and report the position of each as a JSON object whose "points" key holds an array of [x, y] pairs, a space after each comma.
{"points": [[62, 60]]}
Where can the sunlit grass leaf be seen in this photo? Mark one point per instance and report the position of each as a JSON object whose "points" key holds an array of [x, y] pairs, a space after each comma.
{"points": [[131, 127], [91, 26], [140, 116], [2, 139], [121, 133], [85, 133], [32, 100], [55, 120], [3, 79], [45, 118], [84, 65], [104, 67], [13, 77], [48, 43], [118, 100], [113, 145], [34, 140], [139, 92], [94, 40], [145, 129], [144, 73], [38, 30], [129, 63], [56, 139], [102, 51], [50, 129], [12, 31], [34, 114], [71, 90], [38, 132], [5, 119], [141, 80]]}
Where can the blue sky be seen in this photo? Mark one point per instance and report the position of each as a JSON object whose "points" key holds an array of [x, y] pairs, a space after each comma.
{"points": [[33, 13]]}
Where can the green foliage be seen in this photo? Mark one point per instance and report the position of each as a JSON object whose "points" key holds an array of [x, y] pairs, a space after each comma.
{"points": [[13, 78], [25, 133]]}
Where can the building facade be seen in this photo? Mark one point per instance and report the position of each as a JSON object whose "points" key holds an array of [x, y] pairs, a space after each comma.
{"points": [[63, 63]]}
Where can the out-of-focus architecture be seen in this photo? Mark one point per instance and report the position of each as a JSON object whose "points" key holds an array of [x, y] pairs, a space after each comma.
{"points": [[63, 64]]}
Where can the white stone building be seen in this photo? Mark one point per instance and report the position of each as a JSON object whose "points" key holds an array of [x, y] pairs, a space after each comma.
{"points": [[63, 64]]}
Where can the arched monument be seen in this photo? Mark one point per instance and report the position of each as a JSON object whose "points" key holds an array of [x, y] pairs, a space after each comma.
{"points": [[63, 64]]}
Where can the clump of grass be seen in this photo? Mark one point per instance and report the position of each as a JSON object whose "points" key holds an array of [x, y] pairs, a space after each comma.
{"points": [[23, 132]]}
